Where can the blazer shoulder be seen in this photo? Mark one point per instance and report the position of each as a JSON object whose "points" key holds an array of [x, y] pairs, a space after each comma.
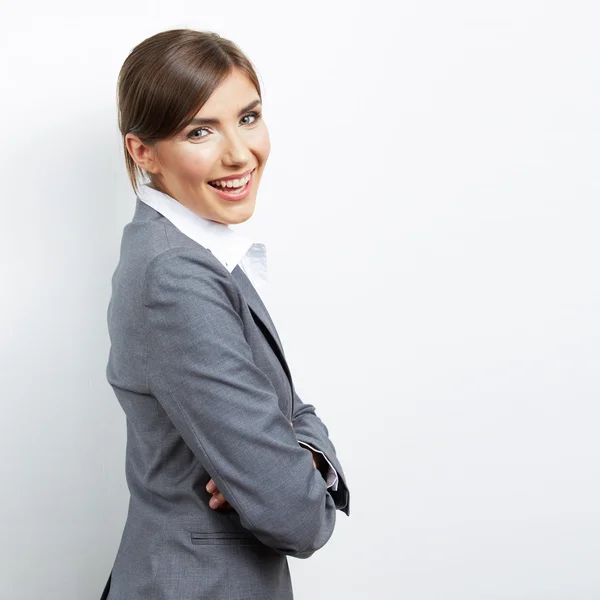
{"points": [[186, 272]]}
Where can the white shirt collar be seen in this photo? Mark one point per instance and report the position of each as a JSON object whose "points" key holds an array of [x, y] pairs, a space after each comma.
{"points": [[227, 245]]}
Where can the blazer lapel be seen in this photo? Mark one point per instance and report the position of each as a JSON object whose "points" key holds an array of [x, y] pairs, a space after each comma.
{"points": [[261, 317]]}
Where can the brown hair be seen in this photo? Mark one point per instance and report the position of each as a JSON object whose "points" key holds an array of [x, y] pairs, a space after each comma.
{"points": [[165, 81]]}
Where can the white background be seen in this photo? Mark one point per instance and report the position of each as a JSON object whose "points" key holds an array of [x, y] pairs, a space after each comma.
{"points": [[430, 209]]}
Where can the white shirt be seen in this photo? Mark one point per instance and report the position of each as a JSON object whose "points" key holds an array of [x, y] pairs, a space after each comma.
{"points": [[230, 247]]}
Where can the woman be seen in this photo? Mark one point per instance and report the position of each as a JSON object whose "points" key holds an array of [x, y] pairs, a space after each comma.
{"points": [[229, 471]]}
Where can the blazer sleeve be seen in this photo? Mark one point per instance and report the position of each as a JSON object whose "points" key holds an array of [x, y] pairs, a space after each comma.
{"points": [[309, 429], [325, 467], [201, 370]]}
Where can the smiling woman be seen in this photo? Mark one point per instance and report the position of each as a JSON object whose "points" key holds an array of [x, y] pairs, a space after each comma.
{"points": [[229, 471]]}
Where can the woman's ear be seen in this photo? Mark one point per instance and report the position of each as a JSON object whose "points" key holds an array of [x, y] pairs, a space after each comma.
{"points": [[142, 154]]}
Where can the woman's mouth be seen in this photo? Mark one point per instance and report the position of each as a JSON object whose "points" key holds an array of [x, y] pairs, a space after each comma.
{"points": [[234, 193]]}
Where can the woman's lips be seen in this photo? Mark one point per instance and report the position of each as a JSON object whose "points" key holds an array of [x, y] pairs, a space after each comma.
{"points": [[229, 194]]}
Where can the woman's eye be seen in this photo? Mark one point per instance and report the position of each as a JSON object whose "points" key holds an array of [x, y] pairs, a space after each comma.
{"points": [[253, 114], [192, 134]]}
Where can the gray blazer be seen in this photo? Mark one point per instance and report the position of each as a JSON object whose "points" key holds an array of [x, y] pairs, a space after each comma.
{"points": [[199, 370]]}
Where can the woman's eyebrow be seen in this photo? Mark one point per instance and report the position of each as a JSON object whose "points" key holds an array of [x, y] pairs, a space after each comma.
{"points": [[210, 121]]}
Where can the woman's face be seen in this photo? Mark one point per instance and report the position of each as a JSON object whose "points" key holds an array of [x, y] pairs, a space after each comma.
{"points": [[234, 142]]}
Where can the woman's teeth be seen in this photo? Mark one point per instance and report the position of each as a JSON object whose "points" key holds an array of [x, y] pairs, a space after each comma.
{"points": [[235, 183]]}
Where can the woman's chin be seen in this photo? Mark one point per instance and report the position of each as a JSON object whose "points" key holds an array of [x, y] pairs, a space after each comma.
{"points": [[238, 219], [239, 213]]}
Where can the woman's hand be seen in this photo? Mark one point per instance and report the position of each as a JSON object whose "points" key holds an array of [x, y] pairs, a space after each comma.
{"points": [[218, 502]]}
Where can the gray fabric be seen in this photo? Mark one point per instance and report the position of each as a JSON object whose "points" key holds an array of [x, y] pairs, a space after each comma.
{"points": [[198, 368]]}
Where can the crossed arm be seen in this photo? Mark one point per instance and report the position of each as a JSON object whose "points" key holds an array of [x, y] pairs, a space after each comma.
{"points": [[312, 434], [218, 501], [196, 348]]}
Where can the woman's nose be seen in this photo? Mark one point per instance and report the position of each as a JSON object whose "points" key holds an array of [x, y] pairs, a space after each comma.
{"points": [[236, 150]]}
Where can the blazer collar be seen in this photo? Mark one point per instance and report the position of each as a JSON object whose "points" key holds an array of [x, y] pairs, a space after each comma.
{"points": [[255, 302], [262, 318]]}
